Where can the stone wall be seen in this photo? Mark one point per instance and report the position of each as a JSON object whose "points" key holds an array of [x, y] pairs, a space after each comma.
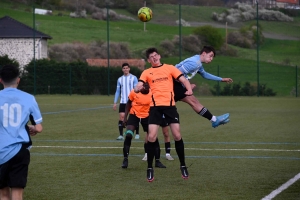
{"points": [[21, 49]]}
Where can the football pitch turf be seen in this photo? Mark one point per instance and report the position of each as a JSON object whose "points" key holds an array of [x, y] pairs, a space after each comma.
{"points": [[255, 156]]}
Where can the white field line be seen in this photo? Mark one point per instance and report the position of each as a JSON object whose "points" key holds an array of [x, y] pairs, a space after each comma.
{"points": [[89, 147], [281, 188]]}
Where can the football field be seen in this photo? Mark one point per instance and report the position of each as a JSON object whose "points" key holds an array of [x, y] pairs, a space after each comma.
{"points": [[255, 156]]}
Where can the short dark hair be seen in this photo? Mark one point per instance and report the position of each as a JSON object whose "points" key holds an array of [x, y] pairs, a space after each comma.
{"points": [[9, 72], [208, 49], [125, 64], [150, 50]]}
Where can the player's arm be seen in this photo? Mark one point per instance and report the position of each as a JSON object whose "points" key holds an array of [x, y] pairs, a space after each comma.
{"points": [[127, 109], [138, 86], [117, 94], [186, 84]]}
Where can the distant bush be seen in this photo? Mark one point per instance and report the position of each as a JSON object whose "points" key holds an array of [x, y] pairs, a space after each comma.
{"points": [[247, 89], [244, 12], [209, 35], [70, 52]]}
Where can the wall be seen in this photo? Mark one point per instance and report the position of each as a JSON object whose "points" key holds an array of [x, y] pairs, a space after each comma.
{"points": [[21, 49]]}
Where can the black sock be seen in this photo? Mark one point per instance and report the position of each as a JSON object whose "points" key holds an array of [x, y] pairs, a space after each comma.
{"points": [[179, 146], [150, 153], [157, 150], [205, 113], [120, 127], [145, 146], [168, 147], [126, 148], [137, 130]]}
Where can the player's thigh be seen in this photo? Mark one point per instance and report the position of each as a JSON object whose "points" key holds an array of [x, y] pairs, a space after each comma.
{"points": [[179, 91], [191, 100], [133, 120], [18, 172], [152, 132], [175, 129], [145, 124]]}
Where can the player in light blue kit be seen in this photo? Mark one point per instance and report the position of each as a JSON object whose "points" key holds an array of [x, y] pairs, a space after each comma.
{"points": [[190, 67], [125, 84], [15, 108]]}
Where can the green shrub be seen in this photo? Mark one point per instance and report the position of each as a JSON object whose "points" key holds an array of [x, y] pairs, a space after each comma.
{"points": [[247, 89], [210, 36]]}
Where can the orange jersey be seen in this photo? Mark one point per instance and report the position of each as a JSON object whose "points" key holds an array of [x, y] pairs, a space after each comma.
{"points": [[140, 104], [160, 80]]}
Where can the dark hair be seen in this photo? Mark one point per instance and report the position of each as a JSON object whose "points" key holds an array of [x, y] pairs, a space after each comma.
{"points": [[208, 49], [125, 64], [150, 50], [9, 72]]}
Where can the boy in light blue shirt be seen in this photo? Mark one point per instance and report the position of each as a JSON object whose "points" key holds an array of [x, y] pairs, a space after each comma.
{"points": [[15, 108], [190, 67]]}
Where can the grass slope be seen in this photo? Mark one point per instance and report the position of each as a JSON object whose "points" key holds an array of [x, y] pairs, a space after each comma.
{"points": [[280, 52]]}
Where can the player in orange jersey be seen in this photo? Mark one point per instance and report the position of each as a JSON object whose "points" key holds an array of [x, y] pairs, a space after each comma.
{"points": [[160, 78], [137, 106]]}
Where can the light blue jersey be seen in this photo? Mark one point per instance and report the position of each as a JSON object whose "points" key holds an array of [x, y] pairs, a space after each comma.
{"points": [[192, 65], [15, 108], [124, 85]]}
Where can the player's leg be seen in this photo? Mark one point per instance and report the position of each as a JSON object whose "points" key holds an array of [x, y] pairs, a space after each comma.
{"points": [[131, 124], [204, 112], [179, 92], [171, 116], [121, 119], [137, 133], [5, 193], [165, 130], [16, 193], [155, 118], [157, 155]]}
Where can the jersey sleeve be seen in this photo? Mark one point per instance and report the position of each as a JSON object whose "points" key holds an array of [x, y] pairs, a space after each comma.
{"points": [[118, 90], [208, 76], [36, 113]]}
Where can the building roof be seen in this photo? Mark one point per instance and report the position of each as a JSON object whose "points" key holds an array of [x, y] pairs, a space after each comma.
{"points": [[139, 63], [11, 28]]}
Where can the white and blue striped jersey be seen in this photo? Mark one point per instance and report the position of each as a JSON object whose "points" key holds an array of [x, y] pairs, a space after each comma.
{"points": [[15, 108], [124, 85], [192, 65]]}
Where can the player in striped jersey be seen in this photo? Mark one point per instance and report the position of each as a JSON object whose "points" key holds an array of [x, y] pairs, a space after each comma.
{"points": [[125, 84]]}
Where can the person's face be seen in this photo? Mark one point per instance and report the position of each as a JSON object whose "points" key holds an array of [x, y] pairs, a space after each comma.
{"points": [[208, 57], [154, 59], [126, 70]]}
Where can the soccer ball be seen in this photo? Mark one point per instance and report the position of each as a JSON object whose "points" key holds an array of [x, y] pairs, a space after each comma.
{"points": [[145, 14]]}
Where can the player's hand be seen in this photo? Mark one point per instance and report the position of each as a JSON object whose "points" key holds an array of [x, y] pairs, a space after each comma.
{"points": [[189, 93], [32, 130], [124, 123], [114, 106], [227, 80], [193, 86]]}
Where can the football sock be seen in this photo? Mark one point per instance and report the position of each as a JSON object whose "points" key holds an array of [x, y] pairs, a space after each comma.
{"points": [[145, 146], [157, 150], [120, 124], [179, 146], [168, 147], [205, 113], [137, 130], [126, 148], [150, 153]]}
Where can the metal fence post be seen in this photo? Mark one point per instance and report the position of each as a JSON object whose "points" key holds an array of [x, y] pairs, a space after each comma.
{"points": [[296, 81], [70, 87], [218, 91]]}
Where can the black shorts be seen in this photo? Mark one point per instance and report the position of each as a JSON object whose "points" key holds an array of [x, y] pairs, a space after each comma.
{"points": [[133, 120], [164, 122], [179, 91], [170, 113], [122, 107], [14, 172]]}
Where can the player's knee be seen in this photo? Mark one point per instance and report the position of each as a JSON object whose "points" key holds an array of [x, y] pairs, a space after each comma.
{"points": [[129, 133]]}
